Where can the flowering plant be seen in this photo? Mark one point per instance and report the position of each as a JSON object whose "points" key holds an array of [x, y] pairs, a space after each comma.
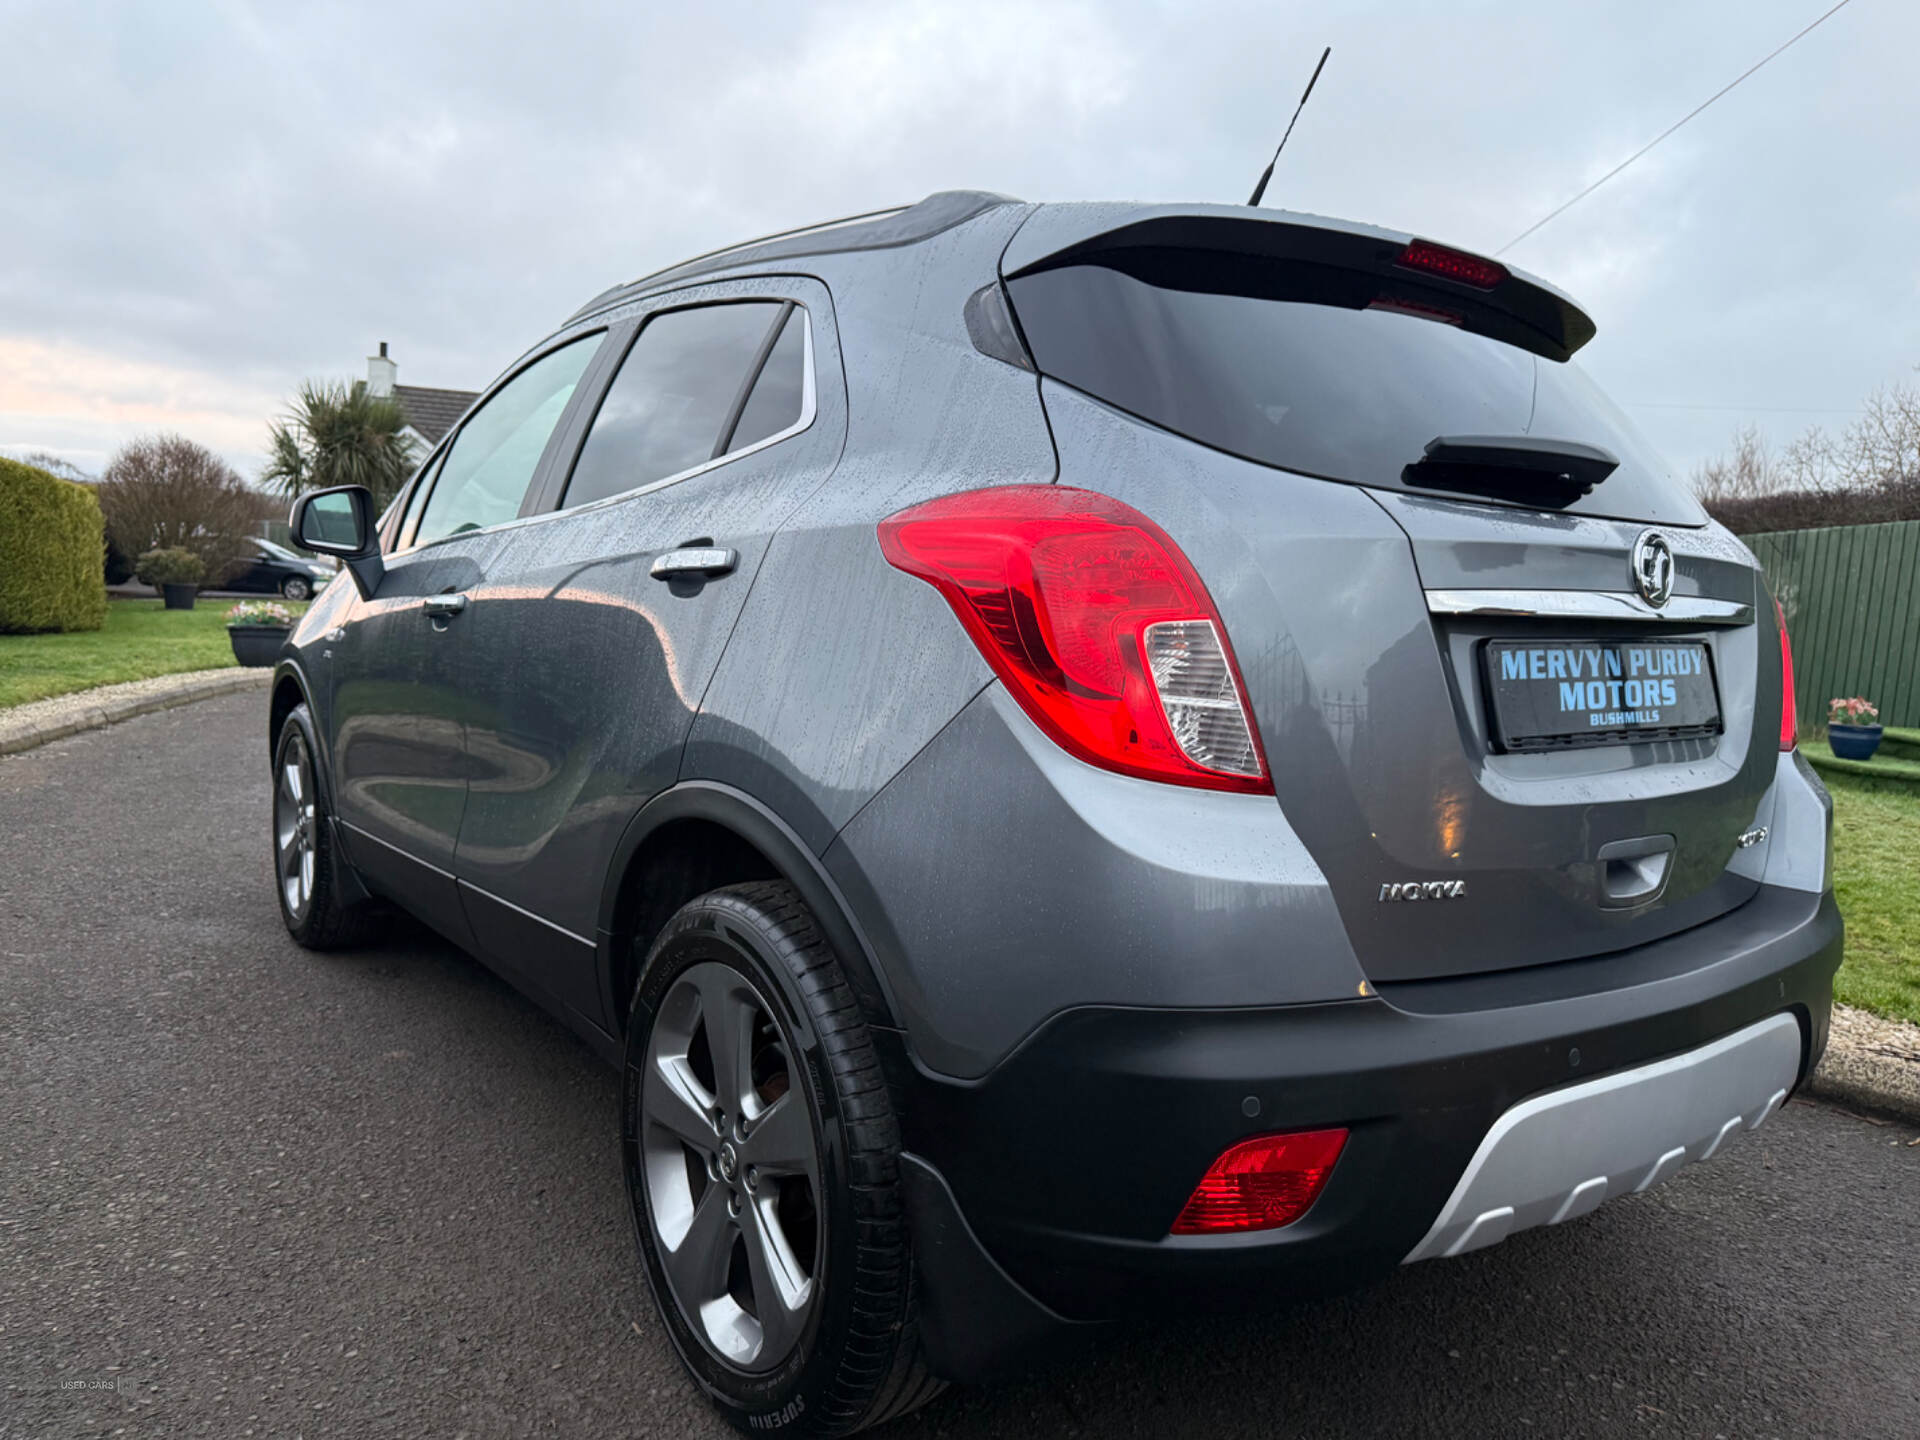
{"points": [[265, 612], [1852, 712]]}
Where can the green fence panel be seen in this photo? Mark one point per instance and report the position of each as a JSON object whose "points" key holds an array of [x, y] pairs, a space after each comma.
{"points": [[1852, 597]]}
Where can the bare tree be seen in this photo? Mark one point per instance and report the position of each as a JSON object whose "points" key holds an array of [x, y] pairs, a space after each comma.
{"points": [[1746, 473], [1867, 475], [166, 491], [54, 465], [1882, 448]]}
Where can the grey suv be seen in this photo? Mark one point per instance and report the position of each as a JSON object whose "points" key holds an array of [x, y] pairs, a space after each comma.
{"points": [[1079, 757]]}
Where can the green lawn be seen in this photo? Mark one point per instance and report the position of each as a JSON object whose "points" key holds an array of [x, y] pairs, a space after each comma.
{"points": [[1876, 837], [1876, 833], [140, 639]]}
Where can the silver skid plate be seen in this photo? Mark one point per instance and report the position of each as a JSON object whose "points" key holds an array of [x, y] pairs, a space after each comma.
{"points": [[1559, 1155]]}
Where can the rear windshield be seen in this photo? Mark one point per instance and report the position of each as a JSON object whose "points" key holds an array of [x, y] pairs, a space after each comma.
{"points": [[1312, 382]]}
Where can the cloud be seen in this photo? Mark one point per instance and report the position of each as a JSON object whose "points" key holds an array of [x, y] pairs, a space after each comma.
{"points": [[82, 404], [242, 195]]}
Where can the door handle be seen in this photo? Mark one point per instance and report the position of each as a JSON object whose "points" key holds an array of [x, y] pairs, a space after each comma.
{"points": [[695, 560], [443, 607]]}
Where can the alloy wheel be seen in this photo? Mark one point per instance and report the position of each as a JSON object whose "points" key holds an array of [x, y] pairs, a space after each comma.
{"points": [[293, 822], [732, 1168]]}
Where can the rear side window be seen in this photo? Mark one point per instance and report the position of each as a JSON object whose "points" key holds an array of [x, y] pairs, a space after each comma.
{"points": [[779, 395], [678, 392], [1303, 375], [486, 474]]}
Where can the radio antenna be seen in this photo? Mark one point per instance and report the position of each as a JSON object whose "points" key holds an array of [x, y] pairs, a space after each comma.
{"points": [[1267, 174]]}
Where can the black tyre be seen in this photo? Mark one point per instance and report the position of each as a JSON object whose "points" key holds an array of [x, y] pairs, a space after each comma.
{"points": [[305, 868], [762, 1163], [296, 587]]}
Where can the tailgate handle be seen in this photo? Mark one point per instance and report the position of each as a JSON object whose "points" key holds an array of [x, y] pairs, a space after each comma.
{"points": [[1634, 872]]}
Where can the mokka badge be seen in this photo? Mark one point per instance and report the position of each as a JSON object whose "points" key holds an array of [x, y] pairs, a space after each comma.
{"points": [[1423, 890]]}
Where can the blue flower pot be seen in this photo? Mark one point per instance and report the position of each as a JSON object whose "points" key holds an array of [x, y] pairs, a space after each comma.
{"points": [[1854, 742]]}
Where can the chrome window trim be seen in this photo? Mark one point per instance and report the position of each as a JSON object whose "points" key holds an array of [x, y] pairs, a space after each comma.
{"points": [[1588, 605], [808, 409]]}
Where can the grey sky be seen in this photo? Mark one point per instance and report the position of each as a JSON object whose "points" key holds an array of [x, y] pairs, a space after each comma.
{"points": [[200, 204]]}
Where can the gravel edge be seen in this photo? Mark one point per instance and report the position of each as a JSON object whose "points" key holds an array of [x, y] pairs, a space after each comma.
{"points": [[39, 721], [1871, 1064]]}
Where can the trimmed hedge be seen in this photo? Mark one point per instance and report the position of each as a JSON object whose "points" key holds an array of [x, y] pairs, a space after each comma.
{"points": [[50, 553]]}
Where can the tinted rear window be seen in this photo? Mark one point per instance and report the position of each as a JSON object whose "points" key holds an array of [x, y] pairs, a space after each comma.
{"points": [[779, 395], [1320, 385], [666, 408]]}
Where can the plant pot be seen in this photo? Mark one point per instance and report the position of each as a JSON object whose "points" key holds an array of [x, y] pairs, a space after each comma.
{"points": [[1853, 742], [179, 597], [257, 644]]}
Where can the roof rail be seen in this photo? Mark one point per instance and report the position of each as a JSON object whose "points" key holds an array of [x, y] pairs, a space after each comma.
{"points": [[776, 235], [872, 230]]}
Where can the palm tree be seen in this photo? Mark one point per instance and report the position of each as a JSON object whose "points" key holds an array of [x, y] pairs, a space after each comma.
{"points": [[339, 435]]}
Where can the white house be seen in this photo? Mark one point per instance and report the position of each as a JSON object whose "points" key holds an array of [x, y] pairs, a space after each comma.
{"points": [[430, 413]]}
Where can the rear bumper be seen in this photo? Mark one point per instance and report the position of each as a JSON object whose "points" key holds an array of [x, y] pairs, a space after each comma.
{"points": [[1044, 1190]]}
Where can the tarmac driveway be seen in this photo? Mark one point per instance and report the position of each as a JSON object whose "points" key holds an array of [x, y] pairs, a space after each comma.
{"points": [[245, 1190]]}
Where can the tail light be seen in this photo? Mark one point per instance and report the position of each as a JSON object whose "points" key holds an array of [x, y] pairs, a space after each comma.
{"points": [[1262, 1184], [1097, 625], [1789, 724]]}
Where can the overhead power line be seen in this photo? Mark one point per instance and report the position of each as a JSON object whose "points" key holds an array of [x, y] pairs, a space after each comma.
{"points": [[1745, 409], [1562, 209]]}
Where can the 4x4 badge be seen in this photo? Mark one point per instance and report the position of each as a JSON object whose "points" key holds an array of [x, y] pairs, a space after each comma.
{"points": [[1424, 890]]}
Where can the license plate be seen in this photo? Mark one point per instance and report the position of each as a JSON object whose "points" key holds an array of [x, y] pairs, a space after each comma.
{"points": [[1562, 693]]}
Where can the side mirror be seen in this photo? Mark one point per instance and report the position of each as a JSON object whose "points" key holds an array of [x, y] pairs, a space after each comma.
{"points": [[340, 522]]}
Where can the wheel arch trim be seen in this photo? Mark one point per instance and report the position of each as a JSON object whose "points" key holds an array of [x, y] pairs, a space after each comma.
{"points": [[291, 670], [759, 826]]}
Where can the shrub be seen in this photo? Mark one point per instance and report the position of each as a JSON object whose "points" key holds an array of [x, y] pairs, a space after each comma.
{"points": [[119, 566], [50, 553], [171, 566], [167, 492]]}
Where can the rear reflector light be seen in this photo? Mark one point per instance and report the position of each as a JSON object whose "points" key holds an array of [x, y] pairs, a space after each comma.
{"points": [[1262, 1184], [1789, 723], [1474, 270], [1096, 624]]}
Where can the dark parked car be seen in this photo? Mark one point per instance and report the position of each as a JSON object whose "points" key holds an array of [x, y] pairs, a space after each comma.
{"points": [[1082, 758], [269, 569]]}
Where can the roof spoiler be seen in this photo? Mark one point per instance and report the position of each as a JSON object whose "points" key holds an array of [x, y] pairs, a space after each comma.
{"points": [[1287, 256]]}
